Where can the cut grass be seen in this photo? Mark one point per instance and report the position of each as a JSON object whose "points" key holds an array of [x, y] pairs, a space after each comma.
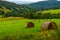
{"points": [[16, 30]]}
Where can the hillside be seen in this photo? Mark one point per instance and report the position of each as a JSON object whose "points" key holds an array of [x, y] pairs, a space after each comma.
{"points": [[12, 9], [39, 10], [52, 11], [42, 5]]}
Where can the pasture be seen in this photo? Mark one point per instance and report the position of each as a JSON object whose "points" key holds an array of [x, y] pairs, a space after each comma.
{"points": [[15, 29], [52, 11]]}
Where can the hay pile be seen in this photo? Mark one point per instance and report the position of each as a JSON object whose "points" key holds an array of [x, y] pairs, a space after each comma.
{"points": [[30, 25], [49, 26]]}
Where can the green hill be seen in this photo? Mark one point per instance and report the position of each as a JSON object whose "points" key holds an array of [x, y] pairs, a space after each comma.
{"points": [[9, 9], [12, 9], [45, 5], [52, 11], [57, 11]]}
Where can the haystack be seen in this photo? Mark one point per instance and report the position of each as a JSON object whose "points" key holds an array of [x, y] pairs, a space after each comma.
{"points": [[30, 25], [49, 26]]}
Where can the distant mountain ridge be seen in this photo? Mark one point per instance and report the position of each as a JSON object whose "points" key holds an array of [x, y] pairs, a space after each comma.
{"points": [[45, 5]]}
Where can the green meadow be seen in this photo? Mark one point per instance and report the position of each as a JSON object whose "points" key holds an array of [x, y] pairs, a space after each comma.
{"points": [[14, 18], [15, 29], [52, 11]]}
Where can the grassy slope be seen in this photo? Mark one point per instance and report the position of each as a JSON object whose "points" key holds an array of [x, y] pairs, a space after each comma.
{"points": [[52, 11], [17, 28]]}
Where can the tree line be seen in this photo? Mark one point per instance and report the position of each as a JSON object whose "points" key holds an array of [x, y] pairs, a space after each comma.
{"points": [[8, 9]]}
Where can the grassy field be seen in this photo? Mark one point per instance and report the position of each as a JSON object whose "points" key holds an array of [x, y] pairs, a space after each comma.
{"points": [[52, 11], [15, 29]]}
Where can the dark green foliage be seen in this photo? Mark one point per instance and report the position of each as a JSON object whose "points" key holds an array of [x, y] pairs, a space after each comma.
{"points": [[8, 9], [13, 8], [1, 13]]}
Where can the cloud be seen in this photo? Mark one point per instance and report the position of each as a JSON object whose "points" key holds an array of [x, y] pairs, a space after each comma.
{"points": [[58, 0], [27, 0]]}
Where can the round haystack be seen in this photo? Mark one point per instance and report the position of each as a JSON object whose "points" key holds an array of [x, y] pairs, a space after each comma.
{"points": [[30, 25], [49, 26]]}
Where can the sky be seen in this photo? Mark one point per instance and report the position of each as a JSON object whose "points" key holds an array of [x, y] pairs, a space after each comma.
{"points": [[27, 0]]}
